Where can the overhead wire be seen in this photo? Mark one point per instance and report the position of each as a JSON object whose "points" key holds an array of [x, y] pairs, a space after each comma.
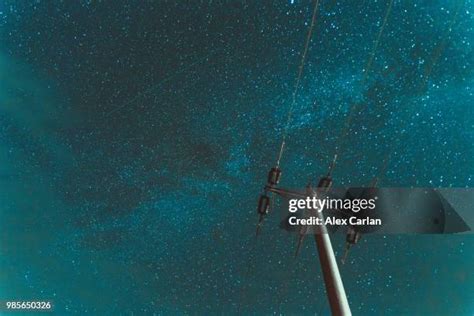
{"points": [[292, 105], [297, 83], [289, 115], [421, 88], [368, 66], [366, 70]]}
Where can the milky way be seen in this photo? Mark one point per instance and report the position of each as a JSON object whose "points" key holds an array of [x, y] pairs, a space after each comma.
{"points": [[136, 138]]}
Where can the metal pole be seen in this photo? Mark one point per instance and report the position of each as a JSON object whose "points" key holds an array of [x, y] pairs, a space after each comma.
{"points": [[332, 279]]}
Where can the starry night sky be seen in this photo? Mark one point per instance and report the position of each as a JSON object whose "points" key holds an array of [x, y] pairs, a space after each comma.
{"points": [[136, 136]]}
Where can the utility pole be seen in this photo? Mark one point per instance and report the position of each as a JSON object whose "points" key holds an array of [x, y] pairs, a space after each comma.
{"points": [[332, 278]]}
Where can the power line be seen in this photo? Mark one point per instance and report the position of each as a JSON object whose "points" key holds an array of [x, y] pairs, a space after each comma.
{"points": [[297, 82]]}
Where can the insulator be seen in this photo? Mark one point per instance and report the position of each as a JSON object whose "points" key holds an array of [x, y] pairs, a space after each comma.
{"points": [[325, 182], [274, 176], [263, 205], [352, 236]]}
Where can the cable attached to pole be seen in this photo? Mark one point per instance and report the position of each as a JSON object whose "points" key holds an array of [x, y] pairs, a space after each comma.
{"points": [[345, 129], [426, 75], [297, 82]]}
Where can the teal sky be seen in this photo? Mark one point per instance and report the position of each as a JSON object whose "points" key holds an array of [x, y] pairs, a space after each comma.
{"points": [[135, 138]]}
